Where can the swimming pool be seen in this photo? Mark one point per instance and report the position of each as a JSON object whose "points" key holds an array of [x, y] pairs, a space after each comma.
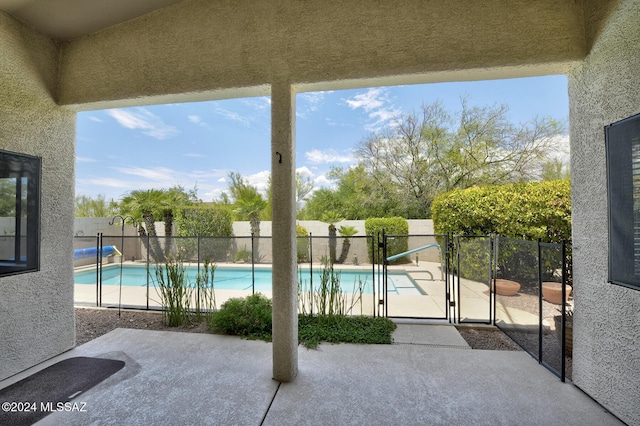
{"points": [[236, 278]]}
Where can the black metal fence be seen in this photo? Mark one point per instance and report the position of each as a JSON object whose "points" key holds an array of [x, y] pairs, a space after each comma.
{"points": [[519, 286], [532, 298]]}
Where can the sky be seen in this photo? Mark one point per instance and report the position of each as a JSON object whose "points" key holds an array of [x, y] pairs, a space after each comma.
{"points": [[197, 145]]}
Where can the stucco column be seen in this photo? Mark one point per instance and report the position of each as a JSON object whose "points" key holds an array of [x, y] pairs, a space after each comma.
{"points": [[285, 287]]}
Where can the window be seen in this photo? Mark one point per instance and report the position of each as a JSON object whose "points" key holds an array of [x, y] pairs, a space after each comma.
{"points": [[623, 180], [19, 213]]}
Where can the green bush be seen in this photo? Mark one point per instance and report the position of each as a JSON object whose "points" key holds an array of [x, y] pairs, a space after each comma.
{"points": [[249, 317], [524, 211], [342, 329], [391, 225], [302, 243], [204, 221]]}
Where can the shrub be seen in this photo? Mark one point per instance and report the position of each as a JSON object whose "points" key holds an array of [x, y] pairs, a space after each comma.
{"points": [[315, 329], [174, 291], [525, 211], [249, 317], [302, 243], [205, 221], [391, 225]]}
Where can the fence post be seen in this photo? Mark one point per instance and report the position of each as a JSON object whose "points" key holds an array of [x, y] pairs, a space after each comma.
{"points": [[564, 311], [540, 300], [98, 292], [311, 271], [253, 265]]}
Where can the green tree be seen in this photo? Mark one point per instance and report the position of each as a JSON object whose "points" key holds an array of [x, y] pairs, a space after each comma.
{"points": [[424, 155], [554, 169], [249, 205], [95, 207], [148, 206], [355, 196], [331, 217], [7, 197], [249, 202], [346, 232]]}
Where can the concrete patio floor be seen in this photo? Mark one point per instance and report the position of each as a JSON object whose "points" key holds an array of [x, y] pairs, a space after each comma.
{"points": [[430, 376]]}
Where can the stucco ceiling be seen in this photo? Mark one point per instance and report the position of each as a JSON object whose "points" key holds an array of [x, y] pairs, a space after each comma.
{"points": [[68, 19]]}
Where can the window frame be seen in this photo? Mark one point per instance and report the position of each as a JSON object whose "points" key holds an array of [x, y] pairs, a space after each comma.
{"points": [[23, 167], [622, 144]]}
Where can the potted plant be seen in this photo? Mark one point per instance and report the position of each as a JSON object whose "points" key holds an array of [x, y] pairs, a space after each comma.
{"points": [[505, 287], [568, 323], [552, 292]]}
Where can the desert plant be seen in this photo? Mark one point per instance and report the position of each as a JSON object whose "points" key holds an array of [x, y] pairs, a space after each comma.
{"points": [[174, 292], [206, 295], [331, 217], [346, 232], [248, 317], [328, 298], [243, 255]]}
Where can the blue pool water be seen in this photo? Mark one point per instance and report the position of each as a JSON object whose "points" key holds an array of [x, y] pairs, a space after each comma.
{"points": [[240, 278]]}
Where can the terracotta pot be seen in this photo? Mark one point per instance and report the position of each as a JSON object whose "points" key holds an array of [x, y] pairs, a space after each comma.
{"points": [[505, 287], [552, 292]]}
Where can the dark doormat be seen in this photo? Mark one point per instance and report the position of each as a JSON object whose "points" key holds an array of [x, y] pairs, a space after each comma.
{"points": [[29, 400]]}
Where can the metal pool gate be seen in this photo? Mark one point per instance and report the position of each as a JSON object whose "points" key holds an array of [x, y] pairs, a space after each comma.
{"points": [[522, 287], [413, 279]]}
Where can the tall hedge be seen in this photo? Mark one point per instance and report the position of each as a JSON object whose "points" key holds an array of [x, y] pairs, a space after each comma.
{"points": [[526, 211], [302, 243], [205, 221], [391, 225]]}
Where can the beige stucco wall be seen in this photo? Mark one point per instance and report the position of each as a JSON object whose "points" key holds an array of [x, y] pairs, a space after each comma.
{"points": [[36, 309], [604, 89], [202, 49]]}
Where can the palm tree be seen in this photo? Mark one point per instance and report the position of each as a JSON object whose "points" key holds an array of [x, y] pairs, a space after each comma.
{"points": [[172, 199], [346, 232], [331, 217], [249, 205], [148, 206], [144, 207]]}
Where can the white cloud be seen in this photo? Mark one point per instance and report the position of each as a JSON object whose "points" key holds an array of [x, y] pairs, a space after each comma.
{"points": [[194, 155], [262, 103], [260, 180], [369, 100], [382, 117], [109, 182], [158, 174], [96, 119], [85, 160], [304, 171], [222, 180], [327, 156], [233, 116], [375, 101], [149, 123], [322, 181], [195, 119]]}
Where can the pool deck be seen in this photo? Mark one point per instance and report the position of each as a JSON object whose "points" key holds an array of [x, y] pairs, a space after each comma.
{"points": [[429, 376]]}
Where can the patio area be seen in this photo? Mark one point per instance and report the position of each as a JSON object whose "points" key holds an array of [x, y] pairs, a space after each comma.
{"points": [[429, 376]]}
